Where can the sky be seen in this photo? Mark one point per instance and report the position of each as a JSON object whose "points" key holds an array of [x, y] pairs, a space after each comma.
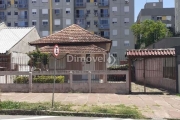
{"points": [[139, 4]]}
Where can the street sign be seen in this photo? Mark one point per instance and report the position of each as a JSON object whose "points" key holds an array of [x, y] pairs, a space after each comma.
{"points": [[56, 50]]}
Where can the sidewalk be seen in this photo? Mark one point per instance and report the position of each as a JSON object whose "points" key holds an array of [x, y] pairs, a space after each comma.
{"points": [[153, 106]]}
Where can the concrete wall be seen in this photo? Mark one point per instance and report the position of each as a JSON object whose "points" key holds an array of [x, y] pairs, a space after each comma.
{"points": [[14, 88], [153, 74]]}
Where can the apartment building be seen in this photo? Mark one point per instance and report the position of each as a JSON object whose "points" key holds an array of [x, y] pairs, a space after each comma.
{"points": [[109, 18], [155, 11], [177, 15]]}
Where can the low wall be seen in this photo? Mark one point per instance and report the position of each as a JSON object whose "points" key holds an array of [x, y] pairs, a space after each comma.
{"points": [[65, 88], [164, 83]]}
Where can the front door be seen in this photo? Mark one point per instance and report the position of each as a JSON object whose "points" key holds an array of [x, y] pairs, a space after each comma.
{"points": [[88, 64]]}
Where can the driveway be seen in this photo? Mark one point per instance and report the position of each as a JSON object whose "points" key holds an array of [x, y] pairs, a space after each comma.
{"points": [[153, 106]]}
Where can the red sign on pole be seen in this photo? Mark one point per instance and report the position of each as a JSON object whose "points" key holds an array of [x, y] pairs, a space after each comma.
{"points": [[56, 50]]}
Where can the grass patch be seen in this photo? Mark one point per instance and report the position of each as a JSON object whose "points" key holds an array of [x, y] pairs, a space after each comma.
{"points": [[125, 111], [178, 95]]}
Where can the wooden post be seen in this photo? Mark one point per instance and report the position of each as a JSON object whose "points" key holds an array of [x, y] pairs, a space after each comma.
{"points": [[144, 75], [130, 76], [71, 79], [89, 81], [30, 82]]}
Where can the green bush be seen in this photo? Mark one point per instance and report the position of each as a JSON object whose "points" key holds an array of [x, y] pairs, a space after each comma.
{"points": [[21, 79], [119, 67], [39, 79]]}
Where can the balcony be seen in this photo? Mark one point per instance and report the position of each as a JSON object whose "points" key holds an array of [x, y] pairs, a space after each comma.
{"points": [[2, 17], [22, 17], [104, 15], [103, 26], [2, 6], [22, 6], [81, 5], [103, 4]]}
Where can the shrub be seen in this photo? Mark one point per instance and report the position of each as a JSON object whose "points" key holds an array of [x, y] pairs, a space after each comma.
{"points": [[119, 67], [39, 79], [21, 79]]}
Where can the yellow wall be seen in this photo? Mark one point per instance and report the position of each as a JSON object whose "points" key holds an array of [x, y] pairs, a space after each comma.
{"points": [[12, 2], [50, 16], [163, 17], [91, 1]]}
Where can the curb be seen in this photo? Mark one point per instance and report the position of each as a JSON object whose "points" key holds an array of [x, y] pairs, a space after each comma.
{"points": [[61, 113]]}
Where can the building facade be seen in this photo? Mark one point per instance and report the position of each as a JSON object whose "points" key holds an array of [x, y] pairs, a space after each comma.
{"points": [[111, 19], [177, 15]]}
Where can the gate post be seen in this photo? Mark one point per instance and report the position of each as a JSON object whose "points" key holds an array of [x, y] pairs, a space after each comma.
{"points": [[127, 82], [71, 79], [89, 81], [30, 82]]}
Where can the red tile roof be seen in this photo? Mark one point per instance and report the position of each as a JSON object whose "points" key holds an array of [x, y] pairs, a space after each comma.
{"points": [[71, 34], [150, 52], [75, 49]]}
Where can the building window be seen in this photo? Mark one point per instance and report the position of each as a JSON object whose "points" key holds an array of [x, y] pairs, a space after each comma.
{"points": [[57, 0], [88, 1], [126, 31], [114, 20], [126, 43], [68, 10], [44, 11], [33, 1], [126, 20], [168, 25], [95, 22], [15, 24], [67, 0], [44, 1], [9, 24], [57, 11], [114, 54], [45, 33], [114, 9], [68, 21], [88, 11], [57, 22], [168, 18], [34, 11], [114, 32], [114, 43], [159, 17], [9, 13], [44, 22], [126, 8], [15, 13], [34, 22]]}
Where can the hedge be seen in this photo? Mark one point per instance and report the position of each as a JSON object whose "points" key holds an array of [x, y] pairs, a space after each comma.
{"points": [[119, 67], [39, 79]]}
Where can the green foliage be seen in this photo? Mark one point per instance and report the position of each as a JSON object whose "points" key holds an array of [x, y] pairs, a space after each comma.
{"points": [[119, 67], [149, 32], [36, 58], [39, 79]]}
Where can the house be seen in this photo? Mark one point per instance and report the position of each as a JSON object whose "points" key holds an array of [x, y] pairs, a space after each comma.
{"points": [[79, 49], [14, 46]]}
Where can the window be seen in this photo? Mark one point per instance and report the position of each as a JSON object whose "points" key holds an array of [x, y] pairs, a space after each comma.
{"points": [[57, 0], [15, 24], [67, 0], [68, 21], [57, 22], [114, 43], [15, 13], [88, 23], [44, 22], [154, 4], [114, 32], [126, 8], [126, 31], [34, 11], [114, 9], [126, 20], [126, 43], [88, 11], [168, 25], [68, 10], [33, 1], [88, 1], [45, 33], [9, 24], [57, 11], [9, 13], [159, 17], [95, 22], [168, 18], [34, 22], [114, 20], [44, 11], [114, 54], [44, 1]]}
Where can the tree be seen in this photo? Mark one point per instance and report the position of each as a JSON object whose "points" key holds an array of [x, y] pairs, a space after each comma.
{"points": [[37, 59], [149, 32]]}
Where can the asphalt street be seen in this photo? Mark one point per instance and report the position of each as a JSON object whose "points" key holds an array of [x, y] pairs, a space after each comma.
{"points": [[10, 117]]}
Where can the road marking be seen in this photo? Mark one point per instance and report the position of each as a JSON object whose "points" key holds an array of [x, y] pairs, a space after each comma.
{"points": [[31, 118]]}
